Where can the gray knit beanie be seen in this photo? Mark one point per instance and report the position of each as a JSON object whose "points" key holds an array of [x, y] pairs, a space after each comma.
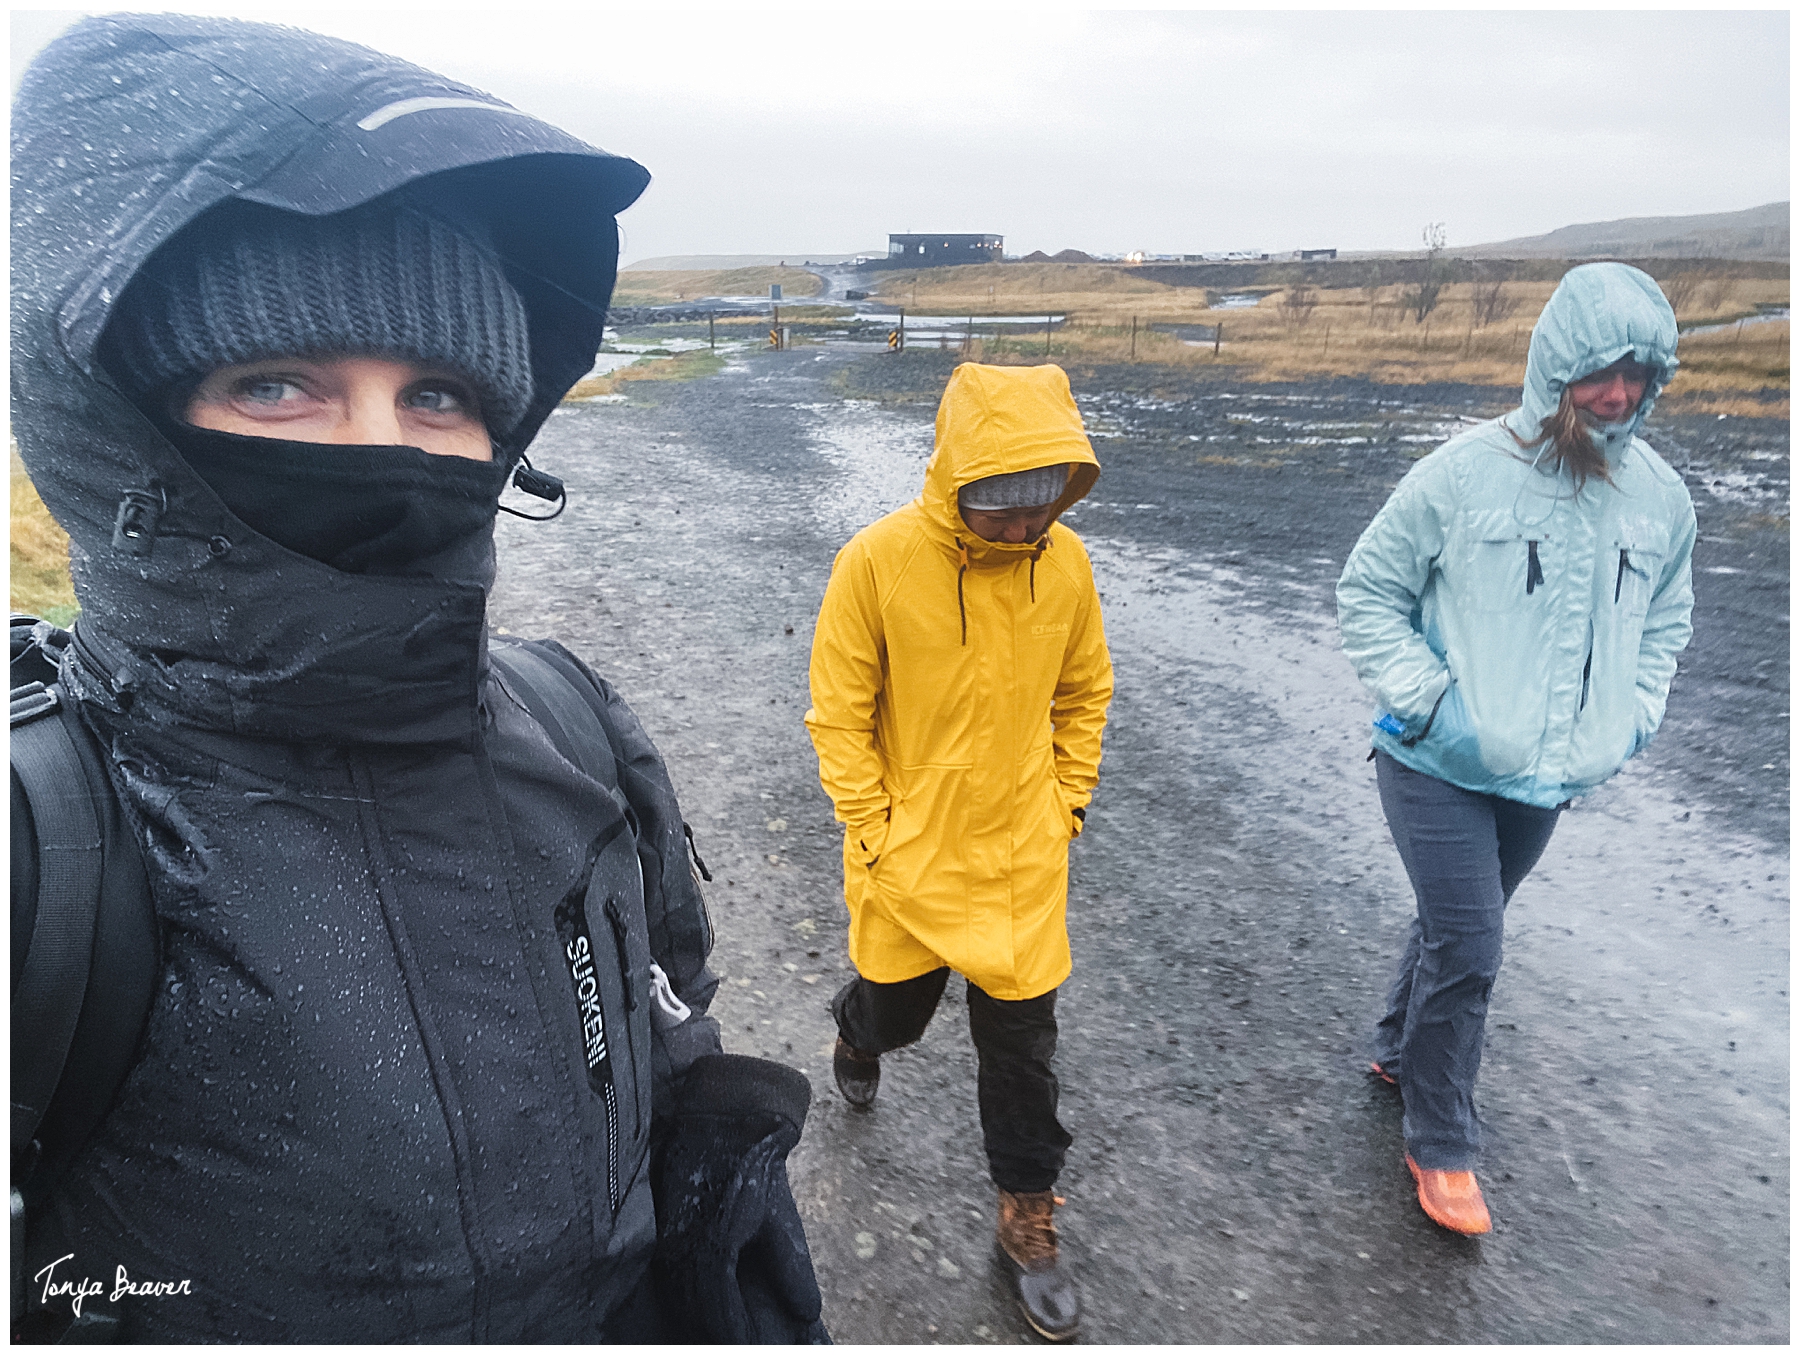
{"points": [[250, 282], [1022, 489]]}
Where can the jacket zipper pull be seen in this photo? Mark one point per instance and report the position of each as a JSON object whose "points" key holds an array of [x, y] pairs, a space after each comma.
{"points": [[1619, 583], [705, 874], [616, 920], [1534, 571]]}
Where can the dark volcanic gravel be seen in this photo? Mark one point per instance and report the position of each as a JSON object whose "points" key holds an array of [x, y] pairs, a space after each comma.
{"points": [[1235, 903]]}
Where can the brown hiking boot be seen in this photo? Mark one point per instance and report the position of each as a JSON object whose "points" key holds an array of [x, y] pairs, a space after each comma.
{"points": [[857, 1074], [1026, 1235]]}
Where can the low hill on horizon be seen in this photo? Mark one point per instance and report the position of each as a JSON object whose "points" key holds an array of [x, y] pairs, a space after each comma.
{"points": [[1755, 233], [703, 263]]}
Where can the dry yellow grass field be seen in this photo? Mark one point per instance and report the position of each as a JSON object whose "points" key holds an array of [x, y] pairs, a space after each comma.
{"points": [[40, 554], [1347, 331], [681, 367], [652, 288]]}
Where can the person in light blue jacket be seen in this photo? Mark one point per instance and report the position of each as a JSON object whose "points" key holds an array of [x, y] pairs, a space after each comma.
{"points": [[1515, 608]]}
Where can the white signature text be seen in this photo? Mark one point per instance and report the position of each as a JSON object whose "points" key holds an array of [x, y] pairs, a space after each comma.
{"points": [[78, 1291]]}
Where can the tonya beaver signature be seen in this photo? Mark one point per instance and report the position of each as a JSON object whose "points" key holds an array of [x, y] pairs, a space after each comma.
{"points": [[86, 1287]]}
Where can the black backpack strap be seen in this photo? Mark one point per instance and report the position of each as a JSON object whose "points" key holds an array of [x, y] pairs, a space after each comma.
{"points": [[47, 999], [85, 947], [557, 701]]}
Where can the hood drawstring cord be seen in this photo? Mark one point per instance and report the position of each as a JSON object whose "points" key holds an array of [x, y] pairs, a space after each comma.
{"points": [[963, 568]]}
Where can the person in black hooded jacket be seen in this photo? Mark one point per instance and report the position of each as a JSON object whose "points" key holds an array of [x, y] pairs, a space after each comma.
{"points": [[429, 1056]]}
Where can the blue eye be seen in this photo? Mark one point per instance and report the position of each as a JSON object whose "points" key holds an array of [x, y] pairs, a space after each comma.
{"points": [[266, 390], [441, 398]]}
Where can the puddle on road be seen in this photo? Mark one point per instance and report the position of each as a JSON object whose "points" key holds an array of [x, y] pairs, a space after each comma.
{"points": [[1284, 420], [881, 458]]}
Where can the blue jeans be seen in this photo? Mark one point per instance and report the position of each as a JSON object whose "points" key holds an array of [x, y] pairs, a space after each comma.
{"points": [[1465, 853]]}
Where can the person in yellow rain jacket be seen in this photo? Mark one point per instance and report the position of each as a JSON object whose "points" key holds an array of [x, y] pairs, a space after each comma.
{"points": [[960, 681]]}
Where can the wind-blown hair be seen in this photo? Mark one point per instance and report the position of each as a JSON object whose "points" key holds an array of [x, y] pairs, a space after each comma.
{"points": [[1571, 447]]}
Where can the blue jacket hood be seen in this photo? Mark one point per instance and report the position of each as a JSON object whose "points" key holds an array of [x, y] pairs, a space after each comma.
{"points": [[1599, 313]]}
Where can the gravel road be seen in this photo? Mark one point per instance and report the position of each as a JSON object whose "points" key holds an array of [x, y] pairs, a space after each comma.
{"points": [[1235, 902]]}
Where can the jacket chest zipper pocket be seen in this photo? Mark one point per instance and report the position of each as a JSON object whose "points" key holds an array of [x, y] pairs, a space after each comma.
{"points": [[1501, 569], [1638, 566], [633, 956], [608, 1013]]}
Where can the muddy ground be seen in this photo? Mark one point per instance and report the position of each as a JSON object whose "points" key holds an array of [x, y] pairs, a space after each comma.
{"points": [[1235, 902]]}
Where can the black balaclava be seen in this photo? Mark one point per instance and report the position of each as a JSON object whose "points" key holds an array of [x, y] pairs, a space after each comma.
{"points": [[249, 282]]}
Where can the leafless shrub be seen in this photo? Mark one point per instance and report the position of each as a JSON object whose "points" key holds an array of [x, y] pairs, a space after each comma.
{"points": [[1679, 288], [1492, 303], [1714, 294], [1298, 304], [1423, 299], [1373, 279]]}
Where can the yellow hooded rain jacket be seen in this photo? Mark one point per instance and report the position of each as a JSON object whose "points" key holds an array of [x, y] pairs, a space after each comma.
{"points": [[959, 690]]}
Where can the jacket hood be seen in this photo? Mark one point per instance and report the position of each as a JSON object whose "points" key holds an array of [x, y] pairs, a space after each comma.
{"points": [[997, 420], [127, 130], [1599, 313]]}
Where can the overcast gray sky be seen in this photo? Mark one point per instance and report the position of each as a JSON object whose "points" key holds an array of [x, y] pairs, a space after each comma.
{"points": [[789, 131]]}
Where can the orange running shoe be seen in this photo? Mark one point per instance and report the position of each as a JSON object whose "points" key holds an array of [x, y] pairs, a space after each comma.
{"points": [[1451, 1200]]}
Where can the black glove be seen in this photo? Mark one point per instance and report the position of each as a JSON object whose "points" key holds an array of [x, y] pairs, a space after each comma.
{"points": [[731, 1263]]}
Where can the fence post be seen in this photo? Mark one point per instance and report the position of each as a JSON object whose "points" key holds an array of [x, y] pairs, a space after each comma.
{"points": [[1218, 333], [1134, 338], [1047, 323], [903, 329], [712, 339]]}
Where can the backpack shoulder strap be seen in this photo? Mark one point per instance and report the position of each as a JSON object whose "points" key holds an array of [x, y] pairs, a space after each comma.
{"points": [[558, 700], [84, 982], [47, 997]]}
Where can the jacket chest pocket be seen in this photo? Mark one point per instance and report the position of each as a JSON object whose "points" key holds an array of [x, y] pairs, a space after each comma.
{"points": [[608, 964], [1502, 567], [1632, 566]]}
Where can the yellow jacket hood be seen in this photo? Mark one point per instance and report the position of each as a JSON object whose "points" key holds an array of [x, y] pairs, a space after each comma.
{"points": [[998, 420]]}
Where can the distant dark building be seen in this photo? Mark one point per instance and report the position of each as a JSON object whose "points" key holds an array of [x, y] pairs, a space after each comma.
{"points": [[1306, 254], [938, 251]]}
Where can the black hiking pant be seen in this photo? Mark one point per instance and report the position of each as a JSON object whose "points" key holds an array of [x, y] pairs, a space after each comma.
{"points": [[1014, 1043]]}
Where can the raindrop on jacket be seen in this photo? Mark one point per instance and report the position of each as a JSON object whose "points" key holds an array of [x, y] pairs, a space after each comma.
{"points": [[959, 691], [1522, 634]]}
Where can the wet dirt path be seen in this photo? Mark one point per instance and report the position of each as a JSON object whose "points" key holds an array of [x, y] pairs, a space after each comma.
{"points": [[1236, 902]]}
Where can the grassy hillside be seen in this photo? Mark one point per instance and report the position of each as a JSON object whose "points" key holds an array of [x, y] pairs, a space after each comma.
{"points": [[1755, 233], [661, 287], [1024, 288], [1475, 334], [40, 554]]}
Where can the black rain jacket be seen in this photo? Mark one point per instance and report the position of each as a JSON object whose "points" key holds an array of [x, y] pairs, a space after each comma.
{"points": [[365, 1107]]}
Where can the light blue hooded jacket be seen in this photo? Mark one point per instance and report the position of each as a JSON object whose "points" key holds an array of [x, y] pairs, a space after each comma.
{"points": [[1520, 636]]}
